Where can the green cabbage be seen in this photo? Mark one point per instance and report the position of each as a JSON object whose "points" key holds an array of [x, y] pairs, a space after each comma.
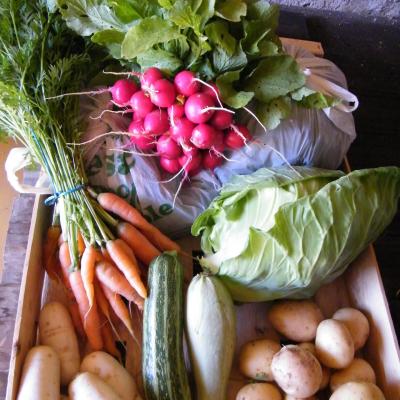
{"points": [[283, 232]]}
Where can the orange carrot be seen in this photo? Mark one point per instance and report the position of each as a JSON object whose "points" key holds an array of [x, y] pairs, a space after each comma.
{"points": [[110, 276], [61, 240], [115, 204], [49, 251], [81, 244], [101, 300], [106, 256], [129, 252], [76, 317], [88, 262], [119, 308], [108, 340], [127, 264], [55, 266], [104, 306], [141, 246], [65, 262], [89, 315]]}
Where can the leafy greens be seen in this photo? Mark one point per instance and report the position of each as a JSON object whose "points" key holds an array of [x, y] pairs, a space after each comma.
{"points": [[284, 232], [40, 58], [230, 41]]}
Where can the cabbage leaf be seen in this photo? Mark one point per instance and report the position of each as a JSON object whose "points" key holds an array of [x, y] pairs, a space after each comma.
{"points": [[273, 234]]}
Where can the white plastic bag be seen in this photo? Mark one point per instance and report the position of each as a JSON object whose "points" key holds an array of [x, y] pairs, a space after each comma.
{"points": [[319, 138], [310, 137]]}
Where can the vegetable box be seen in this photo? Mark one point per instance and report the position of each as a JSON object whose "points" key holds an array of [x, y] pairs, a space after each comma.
{"points": [[361, 287]]}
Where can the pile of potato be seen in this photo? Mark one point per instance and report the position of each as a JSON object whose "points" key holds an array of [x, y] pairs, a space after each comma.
{"points": [[323, 356], [56, 363]]}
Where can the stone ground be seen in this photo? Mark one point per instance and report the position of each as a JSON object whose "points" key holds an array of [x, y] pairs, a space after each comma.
{"points": [[389, 9], [369, 55]]}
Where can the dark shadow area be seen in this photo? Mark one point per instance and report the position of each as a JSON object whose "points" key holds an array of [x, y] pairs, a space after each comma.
{"points": [[368, 52]]}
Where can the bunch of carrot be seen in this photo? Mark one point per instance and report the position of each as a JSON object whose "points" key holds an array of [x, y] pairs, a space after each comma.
{"points": [[108, 273]]}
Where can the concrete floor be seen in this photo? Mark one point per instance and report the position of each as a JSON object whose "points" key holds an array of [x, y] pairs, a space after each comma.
{"points": [[368, 52], [389, 9]]}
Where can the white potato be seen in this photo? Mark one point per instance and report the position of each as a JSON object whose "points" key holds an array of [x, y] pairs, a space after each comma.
{"points": [[358, 371], [57, 331], [289, 397], [87, 386], [296, 319], [309, 347], [40, 375], [334, 344], [296, 371], [259, 391], [326, 376], [255, 359], [358, 391], [112, 372], [357, 324]]}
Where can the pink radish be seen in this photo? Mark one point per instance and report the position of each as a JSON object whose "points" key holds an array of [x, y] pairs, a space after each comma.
{"points": [[186, 83], [140, 138], [189, 150], [122, 91], [156, 122], [197, 108], [168, 148], [177, 110], [196, 171], [141, 104], [137, 117], [150, 76], [237, 136], [181, 130], [171, 166], [145, 142], [218, 145], [211, 160], [162, 93], [207, 90], [191, 164], [203, 136], [221, 119], [136, 128]]}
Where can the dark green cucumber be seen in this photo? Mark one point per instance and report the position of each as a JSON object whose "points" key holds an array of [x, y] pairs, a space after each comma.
{"points": [[163, 365]]}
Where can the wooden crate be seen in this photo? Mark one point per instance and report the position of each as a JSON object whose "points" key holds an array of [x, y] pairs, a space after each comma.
{"points": [[361, 287]]}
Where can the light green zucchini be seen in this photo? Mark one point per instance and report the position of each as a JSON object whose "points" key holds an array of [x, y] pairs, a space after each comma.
{"points": [[211, 334]]}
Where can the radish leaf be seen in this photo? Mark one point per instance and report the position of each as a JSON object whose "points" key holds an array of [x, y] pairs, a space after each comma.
{"points": [[161, 59], [231, 97], [147, 33], [232, 10], [272, 113], [274, 77]]}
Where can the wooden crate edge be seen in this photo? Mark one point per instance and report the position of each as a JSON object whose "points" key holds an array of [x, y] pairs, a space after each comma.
{"points": [[313, 47], [31, 276]]}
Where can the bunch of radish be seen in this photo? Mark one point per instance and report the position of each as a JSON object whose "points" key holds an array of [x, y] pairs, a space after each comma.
{"points": [[183, 121]]}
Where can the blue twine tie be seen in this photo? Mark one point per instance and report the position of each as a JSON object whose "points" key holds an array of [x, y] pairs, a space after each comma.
{"points": [[53, 198]]}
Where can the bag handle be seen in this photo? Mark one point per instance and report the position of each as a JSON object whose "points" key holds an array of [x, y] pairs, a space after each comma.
{"points": [[349, 101], [19, 158]]}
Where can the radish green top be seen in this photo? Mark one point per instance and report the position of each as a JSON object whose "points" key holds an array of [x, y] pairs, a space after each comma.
{"points": [[232, 42]]}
